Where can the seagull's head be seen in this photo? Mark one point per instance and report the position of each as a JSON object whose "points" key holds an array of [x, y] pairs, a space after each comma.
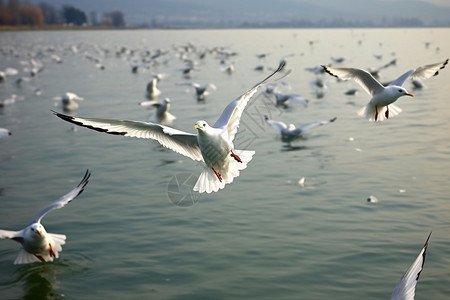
{"points": [[201, 125], [37, 230], [400, 91], [167, 100]]}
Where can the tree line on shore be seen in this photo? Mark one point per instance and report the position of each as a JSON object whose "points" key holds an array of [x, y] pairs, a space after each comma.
{"points": [[16, 13]]}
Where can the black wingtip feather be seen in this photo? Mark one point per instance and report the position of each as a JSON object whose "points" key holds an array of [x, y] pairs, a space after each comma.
{"points": [[443, 66], [325, 68], [72, 120], [424, 253]]}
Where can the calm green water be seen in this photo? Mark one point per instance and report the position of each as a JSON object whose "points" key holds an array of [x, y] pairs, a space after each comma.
{"points": [[262, 237]]}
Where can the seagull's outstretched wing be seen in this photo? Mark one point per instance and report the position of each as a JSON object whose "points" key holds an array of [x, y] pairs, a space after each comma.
{"points": [[61, 202], [406, 288], [149, 103], [13, 235], [308, 126], [364, 78], [230, 117], [277, 125], [179, 141], [424, 72]]}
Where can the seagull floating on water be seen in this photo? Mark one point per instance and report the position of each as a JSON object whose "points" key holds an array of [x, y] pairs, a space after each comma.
{"points": [[152, 91], [162, 115], [37, 243], [68, 100], [406, 288], [284, 99], [212, 145], [4, 132], [291, 131], [380, 106], [200, 89]]}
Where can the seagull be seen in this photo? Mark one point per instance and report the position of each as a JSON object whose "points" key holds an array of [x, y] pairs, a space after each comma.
{"points": [[68, 100], [212, 145], [380, 106], [4, 132], [7, 72], [291, 131], [38, 244], [200, 89], [227, 67], [284, 99], [162, 114], [406, 288], [152, 91]]}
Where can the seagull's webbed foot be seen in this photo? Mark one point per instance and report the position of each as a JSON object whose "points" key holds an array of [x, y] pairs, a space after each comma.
{"points": [[51, 252], [217, 174], [237, 158]]}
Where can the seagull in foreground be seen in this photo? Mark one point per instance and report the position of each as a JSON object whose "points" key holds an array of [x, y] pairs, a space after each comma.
{"points": [[212, 144], [38, 244], [380, 106], [162, 114], [406, 288], [291, 131]]}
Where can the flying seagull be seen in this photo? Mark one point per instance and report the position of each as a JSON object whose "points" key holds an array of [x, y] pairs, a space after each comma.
{"points": [[37, 243], [406, 288], [212, 145], [380, 106]]}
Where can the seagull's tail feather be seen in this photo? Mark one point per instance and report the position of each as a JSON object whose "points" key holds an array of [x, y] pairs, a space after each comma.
{"points": [[58, 241], [373, 113], [246, 156], [208, 182], [235, 166]]}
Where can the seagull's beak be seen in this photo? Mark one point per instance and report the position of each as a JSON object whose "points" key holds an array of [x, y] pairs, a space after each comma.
{"points": [[197, 126], [409, 94], [39, 232]]}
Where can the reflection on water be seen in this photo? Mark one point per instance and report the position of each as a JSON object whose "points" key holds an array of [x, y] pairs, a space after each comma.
{"points": [[39, 281]]}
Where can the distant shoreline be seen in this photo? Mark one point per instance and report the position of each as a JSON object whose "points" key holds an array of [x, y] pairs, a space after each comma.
{"points": [[57, 27], [89, 28]]}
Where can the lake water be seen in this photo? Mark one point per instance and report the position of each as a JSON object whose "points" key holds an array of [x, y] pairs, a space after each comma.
{"points": [[135, 234]]}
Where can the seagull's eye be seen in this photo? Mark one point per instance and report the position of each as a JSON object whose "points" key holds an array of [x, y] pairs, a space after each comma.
{"points": [[400, 91], [32, 229], [204, 124]]}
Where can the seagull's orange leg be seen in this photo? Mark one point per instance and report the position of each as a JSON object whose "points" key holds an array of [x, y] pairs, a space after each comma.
{"points": [[52, 253], [237, 158], [217, 174], [40, 258]]}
